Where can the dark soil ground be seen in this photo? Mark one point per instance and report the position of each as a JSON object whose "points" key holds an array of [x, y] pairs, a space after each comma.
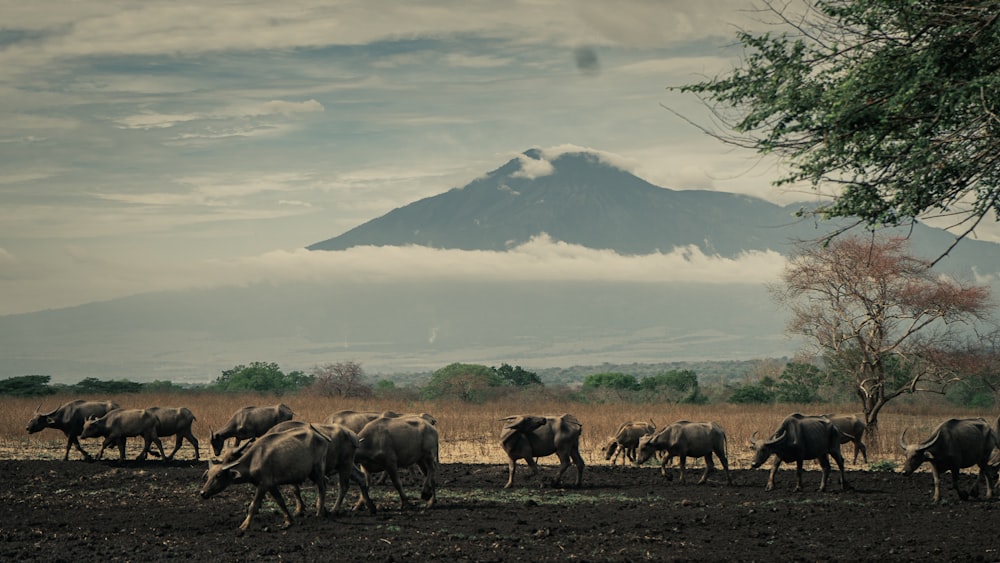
{"points": [[148, 511]]}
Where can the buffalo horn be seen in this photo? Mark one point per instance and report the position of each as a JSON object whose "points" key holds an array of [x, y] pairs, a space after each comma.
{"points": [[902, 439]]}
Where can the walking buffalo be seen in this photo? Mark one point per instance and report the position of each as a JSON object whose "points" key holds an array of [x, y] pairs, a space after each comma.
{"points": [[686, 439], [274, 459], [530, 436], [955, 444], [853, 428], [70, 418], [797, 439], [249, 423], [389, 443], [626, 440], [120, 424], [174, 422]]}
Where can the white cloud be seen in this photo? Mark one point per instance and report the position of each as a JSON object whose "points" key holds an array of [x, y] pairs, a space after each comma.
{"points": [[533, 168], [84, 278]]}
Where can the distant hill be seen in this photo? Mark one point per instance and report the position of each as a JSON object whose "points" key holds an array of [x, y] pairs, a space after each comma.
{"points": [[578, 198], [414, 325]]}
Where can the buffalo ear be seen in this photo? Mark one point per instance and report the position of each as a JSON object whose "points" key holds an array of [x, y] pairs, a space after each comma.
{"points": [[928, 455]]}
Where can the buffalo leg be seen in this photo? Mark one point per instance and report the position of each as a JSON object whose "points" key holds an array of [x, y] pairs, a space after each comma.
{"points": [[428, 490], [358, 478], [954, 480], [258, 496], [839, 458], [663, 467], [319, 479], [71, 441], [708, 469], [725, 466], [194, 442], [300, 505], [937, 484], [511, 469], [578, 461], [393, 473], [824, 463], [774, 471], [276, 495]]}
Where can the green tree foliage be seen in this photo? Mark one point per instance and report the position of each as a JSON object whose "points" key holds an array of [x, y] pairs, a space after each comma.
{"points": [[674, 386], [467, 382], [261, 377], [752, 393], [892, 102], [615, 381], [26, 386], [516, 376], [94, 385], [799, 383]]}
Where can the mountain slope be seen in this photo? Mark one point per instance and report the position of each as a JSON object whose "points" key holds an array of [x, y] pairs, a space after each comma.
{"points": [[580, 199]]}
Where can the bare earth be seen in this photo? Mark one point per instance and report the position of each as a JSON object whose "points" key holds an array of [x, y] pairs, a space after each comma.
{"points": [[148, 511]]}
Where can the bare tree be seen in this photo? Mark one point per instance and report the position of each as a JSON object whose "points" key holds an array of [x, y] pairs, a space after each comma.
{"points": [[342, 379], [876, 313]]}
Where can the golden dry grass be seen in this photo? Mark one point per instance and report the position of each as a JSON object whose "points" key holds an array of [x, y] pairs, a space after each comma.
{"points": [[469, 432]]}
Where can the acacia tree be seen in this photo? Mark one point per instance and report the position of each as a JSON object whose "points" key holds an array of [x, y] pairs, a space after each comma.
{"points": [[877, 314], [894, 102], [342, 379]]}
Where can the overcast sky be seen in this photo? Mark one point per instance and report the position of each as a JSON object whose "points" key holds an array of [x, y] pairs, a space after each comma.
{"points": [[157, 145]]}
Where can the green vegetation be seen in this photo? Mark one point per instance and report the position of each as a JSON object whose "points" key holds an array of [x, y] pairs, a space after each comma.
{"points": [[889, 101], [885, 466], [27, 386], [261, 377]]}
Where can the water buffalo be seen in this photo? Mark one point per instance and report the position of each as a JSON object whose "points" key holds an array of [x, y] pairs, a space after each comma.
{"points": [[356, 420], [120, 424], [174, 422], [853, 427], [388, 443], [248, 423], [70, 418], [339, 459], [955, 444], [686, 439], [797, 439], [530, 436], [626, 440], [274, 459]]}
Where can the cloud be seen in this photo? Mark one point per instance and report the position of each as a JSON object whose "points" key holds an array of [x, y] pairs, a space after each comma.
{"points": [[533, 168], [84, 278]]}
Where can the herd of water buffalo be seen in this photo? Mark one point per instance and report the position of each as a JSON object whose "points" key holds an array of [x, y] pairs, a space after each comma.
{"points": [[355, 446]]}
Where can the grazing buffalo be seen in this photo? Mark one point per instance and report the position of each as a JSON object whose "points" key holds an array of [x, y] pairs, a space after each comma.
{"points": [[174, 422], [797, 439], [273, 459], [249, 423], [685, 439], [388, 443], [955, 444], [529, 436], [356, 420], [120, 424], [853, 427], [70, 418], [626, 441], [339, 459]]}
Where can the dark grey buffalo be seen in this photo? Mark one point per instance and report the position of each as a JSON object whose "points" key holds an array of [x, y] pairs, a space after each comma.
{"points": [[797, 439], [174, 422], [339, 459], [274, 459], [356, 420], [70, 418], [249, 423], [389, 443], [626, 440], [853, 428], [686, 439], [531, 436], [120, 424], [955, 444]]}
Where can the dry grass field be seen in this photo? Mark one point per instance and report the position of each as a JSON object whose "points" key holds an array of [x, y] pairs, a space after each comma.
{"points": [[470, 433]]}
